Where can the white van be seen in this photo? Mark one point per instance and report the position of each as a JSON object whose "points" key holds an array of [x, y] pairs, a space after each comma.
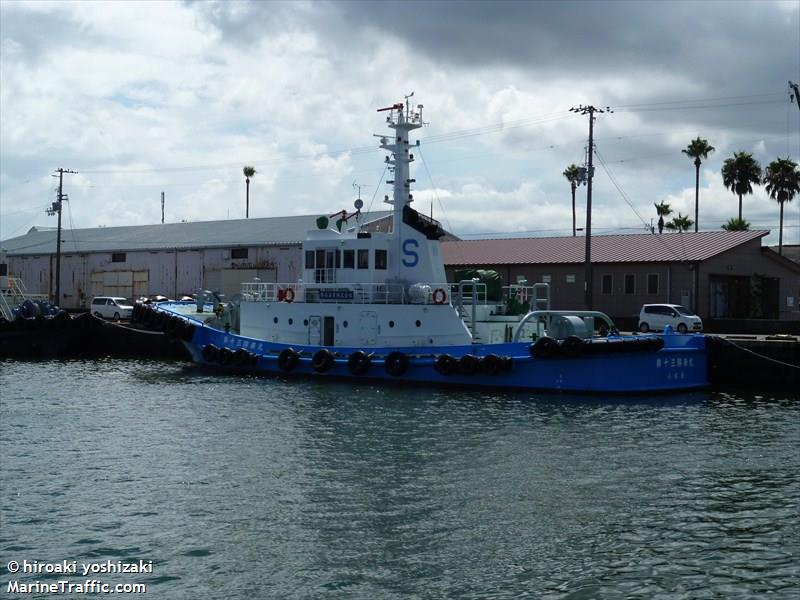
{"points": [[657, 316], [107, 307]]}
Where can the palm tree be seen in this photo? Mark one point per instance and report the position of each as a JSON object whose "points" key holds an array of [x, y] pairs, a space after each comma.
{"points": [[783, 183], [739, 173], [573, 175], [698, 148], [248, 173], [663, 210], [736, 224], [680, 223]]}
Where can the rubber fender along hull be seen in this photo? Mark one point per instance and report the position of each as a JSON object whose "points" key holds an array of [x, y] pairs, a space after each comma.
{"points": [[600, 367]]}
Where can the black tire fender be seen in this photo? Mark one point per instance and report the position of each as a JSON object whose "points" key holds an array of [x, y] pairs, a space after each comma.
{"points": [[225, 356], [241, 357], [544, 347], [288, 359], [572, 347], [491, 364], [359, 362], [210, 353], [468, 364], [445, 364], [396, 363], [322, 361]]}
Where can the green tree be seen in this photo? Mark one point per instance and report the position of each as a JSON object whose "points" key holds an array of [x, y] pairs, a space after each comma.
{"points": [[663, 210], [248, 173], [736, 224], [680, 223], [573, 175], [782, 179], [740, 173], [698, 148]]}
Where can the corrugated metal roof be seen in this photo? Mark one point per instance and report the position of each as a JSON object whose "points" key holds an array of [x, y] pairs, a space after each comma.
{"points": [[269, 231], [668, 247]]}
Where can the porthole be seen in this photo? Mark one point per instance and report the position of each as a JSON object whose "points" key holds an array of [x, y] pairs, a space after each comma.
{"points": [[305, 322], [391, 323], [344, 323], [275, 320], [291, 321], [418, 323]]}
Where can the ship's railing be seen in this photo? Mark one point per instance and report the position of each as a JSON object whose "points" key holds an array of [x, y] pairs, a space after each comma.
{"points": [[515, 298], [462, 295], [354, 293]]}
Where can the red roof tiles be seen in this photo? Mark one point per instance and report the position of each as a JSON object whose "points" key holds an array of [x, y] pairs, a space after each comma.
{"points": [[668, 247]]}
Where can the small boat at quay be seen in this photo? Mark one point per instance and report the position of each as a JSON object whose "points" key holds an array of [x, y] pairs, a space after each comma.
{"points": [[376, 305]]}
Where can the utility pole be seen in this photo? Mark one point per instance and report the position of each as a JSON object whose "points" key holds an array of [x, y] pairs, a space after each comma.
{"points": [[56, 209], [589, 110], [796, 95], [162, 208]]}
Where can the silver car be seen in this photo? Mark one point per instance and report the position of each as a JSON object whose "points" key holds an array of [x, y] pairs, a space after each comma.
{"points": [[108, 307], [657, 316]]}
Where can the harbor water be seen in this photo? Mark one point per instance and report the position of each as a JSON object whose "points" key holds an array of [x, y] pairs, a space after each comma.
{"points": [[248, 487]]}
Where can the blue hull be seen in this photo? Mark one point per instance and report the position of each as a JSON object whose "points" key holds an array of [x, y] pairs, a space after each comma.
{"points": [[627, 364]]}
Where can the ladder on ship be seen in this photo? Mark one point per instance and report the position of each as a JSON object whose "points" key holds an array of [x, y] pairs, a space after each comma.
{"points": [[13, 295]]}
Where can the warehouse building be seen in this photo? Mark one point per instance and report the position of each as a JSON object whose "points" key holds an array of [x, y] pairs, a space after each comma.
{"points": [[173, 259]]}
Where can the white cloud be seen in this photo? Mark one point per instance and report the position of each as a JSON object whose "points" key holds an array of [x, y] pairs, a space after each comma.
{"points": [[183, 95]]}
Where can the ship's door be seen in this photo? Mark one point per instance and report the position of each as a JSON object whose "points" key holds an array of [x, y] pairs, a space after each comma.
{"points": [[368, 327], [315, 331], [327, 330]]}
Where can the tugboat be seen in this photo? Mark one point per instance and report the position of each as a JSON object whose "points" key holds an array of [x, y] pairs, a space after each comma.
{"points": [[376, 305]]}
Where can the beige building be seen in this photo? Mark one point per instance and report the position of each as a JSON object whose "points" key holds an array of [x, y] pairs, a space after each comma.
{"points": [[722, 275]]}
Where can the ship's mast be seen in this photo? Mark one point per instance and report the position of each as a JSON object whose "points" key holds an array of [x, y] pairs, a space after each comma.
{"points": [[402, 119]]}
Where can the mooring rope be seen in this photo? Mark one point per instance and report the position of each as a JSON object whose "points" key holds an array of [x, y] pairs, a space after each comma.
{"points": [[762, 356]]}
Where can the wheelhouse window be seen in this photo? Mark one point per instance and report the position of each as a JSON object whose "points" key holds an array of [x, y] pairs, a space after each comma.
{"points": [[349, 259], [607, 283], [652, 283], [309, 259], [240, 253], [630, 283], [363, 259], [118, 257], [381, 259], [326, 261]]}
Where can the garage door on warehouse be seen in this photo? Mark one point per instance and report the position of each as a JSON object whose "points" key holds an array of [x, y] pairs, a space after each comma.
{"points": [[122, 284]]}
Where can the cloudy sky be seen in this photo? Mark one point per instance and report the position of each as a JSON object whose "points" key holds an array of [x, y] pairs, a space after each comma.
{"points": [[145, 97]]}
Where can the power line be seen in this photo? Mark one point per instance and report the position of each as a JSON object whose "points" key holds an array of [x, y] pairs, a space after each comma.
{"points": [[619, 188]]}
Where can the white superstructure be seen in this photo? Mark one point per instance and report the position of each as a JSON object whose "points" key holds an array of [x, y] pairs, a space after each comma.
{"points": [[381, 289]]}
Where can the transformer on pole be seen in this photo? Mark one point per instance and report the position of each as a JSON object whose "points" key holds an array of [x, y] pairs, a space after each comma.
{"points": [[589, 110], [55, 208]]}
